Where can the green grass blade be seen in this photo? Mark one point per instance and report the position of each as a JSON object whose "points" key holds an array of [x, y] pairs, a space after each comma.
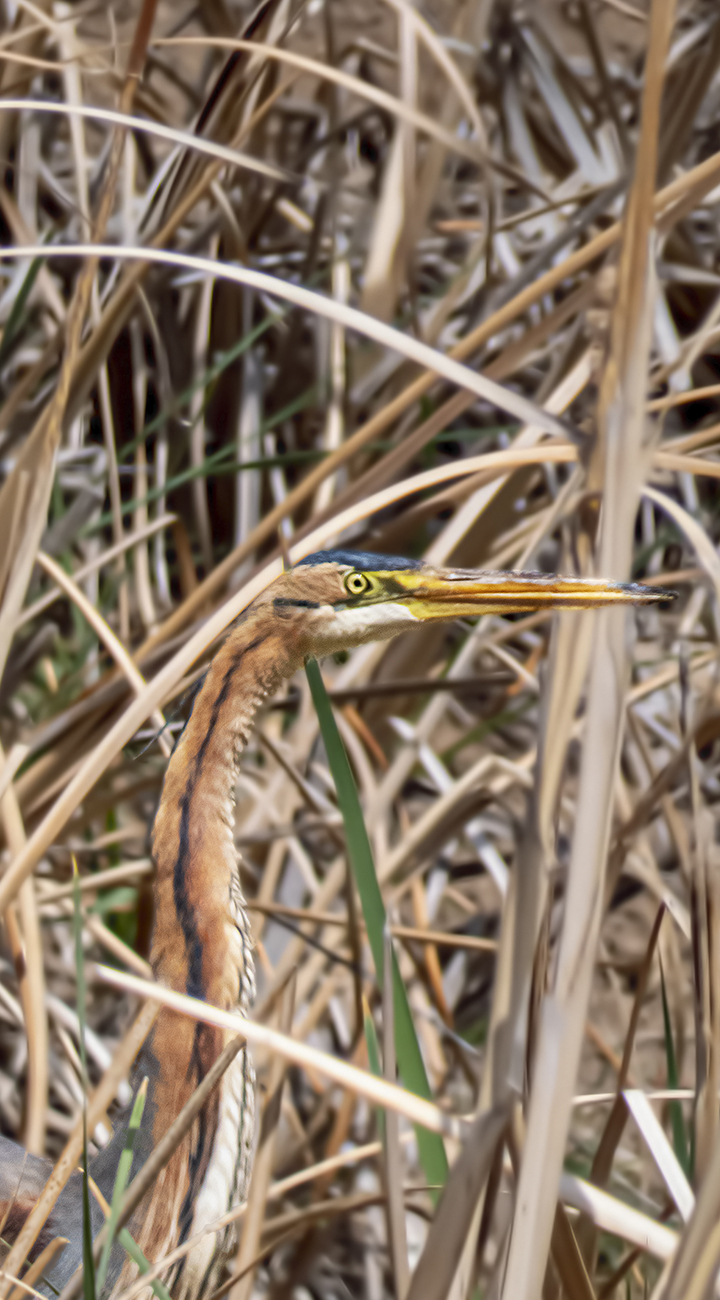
{"points": [[121, 1179], [204, 381], [92, 1284], [219, 463], [135, 1253], [677, 1119], [410, 1061], [17, 311], [207, 379], [89, 1290], [373, 1047]]}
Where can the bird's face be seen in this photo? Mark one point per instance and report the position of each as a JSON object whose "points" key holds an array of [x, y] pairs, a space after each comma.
{"points": [[337, 599]]}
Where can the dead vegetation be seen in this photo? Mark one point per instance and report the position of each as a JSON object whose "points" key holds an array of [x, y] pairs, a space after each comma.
{"points": [[439, 281]]}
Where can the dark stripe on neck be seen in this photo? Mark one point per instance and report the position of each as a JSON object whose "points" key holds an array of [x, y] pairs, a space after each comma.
{"points": [[194, 986], [199, 1156], [185, 913]]}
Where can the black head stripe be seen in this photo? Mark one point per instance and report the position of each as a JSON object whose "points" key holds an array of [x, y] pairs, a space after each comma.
{"points": [[361, 560]]}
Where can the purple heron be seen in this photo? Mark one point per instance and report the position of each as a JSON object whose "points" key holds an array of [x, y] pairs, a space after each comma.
{"points": [[201, 941]]}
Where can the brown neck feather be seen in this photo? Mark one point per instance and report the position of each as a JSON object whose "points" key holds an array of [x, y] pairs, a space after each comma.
{"points": [[193, 835], [201, 946]]}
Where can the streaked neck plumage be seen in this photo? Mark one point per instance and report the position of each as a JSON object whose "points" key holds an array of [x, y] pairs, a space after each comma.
{"points": [[201, 946]]}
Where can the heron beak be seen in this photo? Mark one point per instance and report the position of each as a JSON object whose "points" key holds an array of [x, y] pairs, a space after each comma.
{"points": [[466, 593]]}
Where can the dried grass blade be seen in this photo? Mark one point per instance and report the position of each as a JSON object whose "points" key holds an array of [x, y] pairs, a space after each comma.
{"points": [[32, 474], [618, 1218], [355, 85], [341, 313], [376, 1091], [122, 731], [568, 1259], [671, 1170], [88, 1272], [695, 534], [38, 1267], [28, 954], [106, 557], [615, 1123], [698, 181], [695, 1264], [446, 1239], [384, 267], [187, 140], [106, 636], [618, 463]]}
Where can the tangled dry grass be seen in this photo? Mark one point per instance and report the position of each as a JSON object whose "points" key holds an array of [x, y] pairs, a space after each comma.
{"points": [[440, 281]]}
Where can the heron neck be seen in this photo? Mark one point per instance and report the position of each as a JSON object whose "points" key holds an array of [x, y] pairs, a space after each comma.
{"points": [[201, 946], [195, 945]]}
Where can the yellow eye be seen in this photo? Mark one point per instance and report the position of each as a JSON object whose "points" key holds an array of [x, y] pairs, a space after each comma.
{"points": [[357, 583]]}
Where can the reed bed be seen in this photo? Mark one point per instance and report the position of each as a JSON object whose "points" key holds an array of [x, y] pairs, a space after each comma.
{"points": [[439, 281]]}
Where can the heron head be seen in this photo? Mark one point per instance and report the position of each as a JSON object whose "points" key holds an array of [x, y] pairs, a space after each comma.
{"points": [[337, 599]]}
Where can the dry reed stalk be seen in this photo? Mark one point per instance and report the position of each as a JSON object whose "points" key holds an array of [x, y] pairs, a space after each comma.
{"points": [[365, 1085], [28, 958], [26, 493], [618, 466]]}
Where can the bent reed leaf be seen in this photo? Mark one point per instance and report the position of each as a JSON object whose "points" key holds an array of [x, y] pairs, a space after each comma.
{"points": [[410, 1061]]}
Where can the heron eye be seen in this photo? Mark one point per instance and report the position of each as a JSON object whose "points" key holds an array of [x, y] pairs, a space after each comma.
{"points": [[356, 584]]}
